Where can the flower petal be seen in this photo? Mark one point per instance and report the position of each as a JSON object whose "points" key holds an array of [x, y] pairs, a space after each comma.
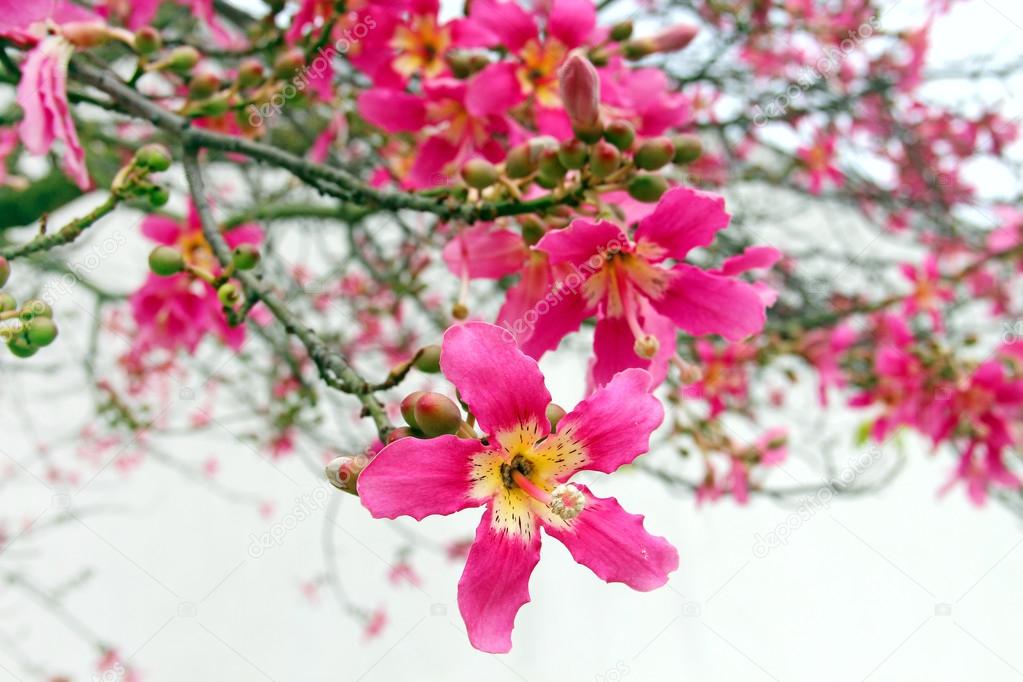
{"points": [[572, 21], [494, 90], [510, 24], [613, 544], [485, 253], [583, 242], [502, 386], [418, 477], [495, 584], [703, 303], [683, 220], [753, 258], [393, 110], [612, 426]]}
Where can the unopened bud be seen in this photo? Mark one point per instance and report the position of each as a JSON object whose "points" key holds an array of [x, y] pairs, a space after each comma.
{"points": [[479, 173], [181, 59], [599, 57], [41, 331], [572, 154], [647, 346], [604, 159], [203, 84], [216, 105], [34, 308], [654, 153], [85, 33], [519, 162], [343, 472], [155, 157], [158, 196], [428, 360], [7, 303], [245, 256], [229, 294], [550, 167], [399, 433], [437, 415], [554, 414], [459, 63], [688, 148], [408, 408], [580, 91], [647, 188], [478, 62], [621, 134], [250, 73], [5, 271], [621, 31], [21, 348], [674, 38], [532, 230], [288, 63], [147, 40], [166, 261]]}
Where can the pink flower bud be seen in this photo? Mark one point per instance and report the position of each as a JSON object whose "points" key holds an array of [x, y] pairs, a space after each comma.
{"points": [[85, 33], [580, 90], [674, 38]]}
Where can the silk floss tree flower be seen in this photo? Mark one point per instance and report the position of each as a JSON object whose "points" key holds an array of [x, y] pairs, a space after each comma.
{"points": [[519, 472]]}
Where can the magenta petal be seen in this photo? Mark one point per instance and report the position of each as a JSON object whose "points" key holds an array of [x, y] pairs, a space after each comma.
{"points": [[393, 110], [583, 242], [495, 584], [613, 544], [494, 90], [510, 24], [753, 258], [613, 425], [162, 229], [703, 303], [36, 127], [502, 386], [614, 347], [485, 253], [419, 477], [551, 319], [683, 220], [572, 21]]}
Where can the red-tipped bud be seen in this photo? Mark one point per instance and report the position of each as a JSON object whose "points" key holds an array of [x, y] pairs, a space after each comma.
{"points": [[147, 40], [550, 167], [288, 63], [250, 73], [688, 148], [5, 271], [343, 472], [580, 91], [621, 134], [604, 159], [85, 33], [203, 84], [408, 408], [479, 173], [429, 359], [573, 154], [647, 187], [654, 153], [437, 415], [674, 38]]}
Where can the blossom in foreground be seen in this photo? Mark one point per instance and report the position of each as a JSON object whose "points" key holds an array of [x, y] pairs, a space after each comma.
{"points": [[519, 472]]}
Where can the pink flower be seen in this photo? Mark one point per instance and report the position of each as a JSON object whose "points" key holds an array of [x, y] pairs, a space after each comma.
{"points": [[818, 162], [639, 301], [519, 472], [928, 291]]}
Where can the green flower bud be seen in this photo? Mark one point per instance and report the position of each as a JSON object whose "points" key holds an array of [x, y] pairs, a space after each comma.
{"points": [[246, 256], [554, 414], [228, 294], [637, 49], [408, 408], [41, 331], [5, 271], [158, 196], [519, 162], [250, 73], [34, 308], [654, 153], [399, 433], [688, 148], [166, 261], [532, 230], [437, 415], [147, 40], [478, 62], [288, 63], [213, 106], [20, 347], [599, 57], [182, 59], [550, 167], [155, 157], [621, 31], [621, 134], [429, 359], [203, 84], [589, 133], [647, 188], [7, 303], [460, 64], [604, 159], [573, 154], [479, 173]]}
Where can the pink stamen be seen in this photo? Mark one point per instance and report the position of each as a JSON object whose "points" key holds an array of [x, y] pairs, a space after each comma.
{"points": [[531, 488]]}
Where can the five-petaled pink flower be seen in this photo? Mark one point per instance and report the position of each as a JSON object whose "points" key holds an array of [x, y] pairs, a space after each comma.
{"points": [[519, 472]]}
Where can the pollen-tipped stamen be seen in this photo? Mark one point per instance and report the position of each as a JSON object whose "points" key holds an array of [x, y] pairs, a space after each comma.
{"points": [[565, 501]]}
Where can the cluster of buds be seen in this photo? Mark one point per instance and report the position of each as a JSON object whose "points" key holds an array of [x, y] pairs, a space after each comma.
{"points": [[601, 157], [429, 415], [133, 180], [33, 327], [167, 261]]}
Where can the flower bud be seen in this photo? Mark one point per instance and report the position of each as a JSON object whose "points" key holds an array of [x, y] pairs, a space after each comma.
{"points": [[41, 331], [7, 303], [621, 31], [245, 256], [599, 57], [343, 472], [228, 294], [459, 311], [621, 134], [288, 63], [437, 415], [674, 38], [580, 91], [155, 157], [158, 196], [478, 62], [203, 84], [250, 73], [429, 359], [34, 308], [654, 153], [688, 148], [181, 59], [637, 49], [408, 408], [399, 433], [5, 271], [21, 348], [532, 230], [550, 167], [604, 159], [479, 173], [572, 154], [519, 162], [85, 33], [460, 64], [147, 40], [554, 414], [166, 261], [647, 187], [216, 105]]}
